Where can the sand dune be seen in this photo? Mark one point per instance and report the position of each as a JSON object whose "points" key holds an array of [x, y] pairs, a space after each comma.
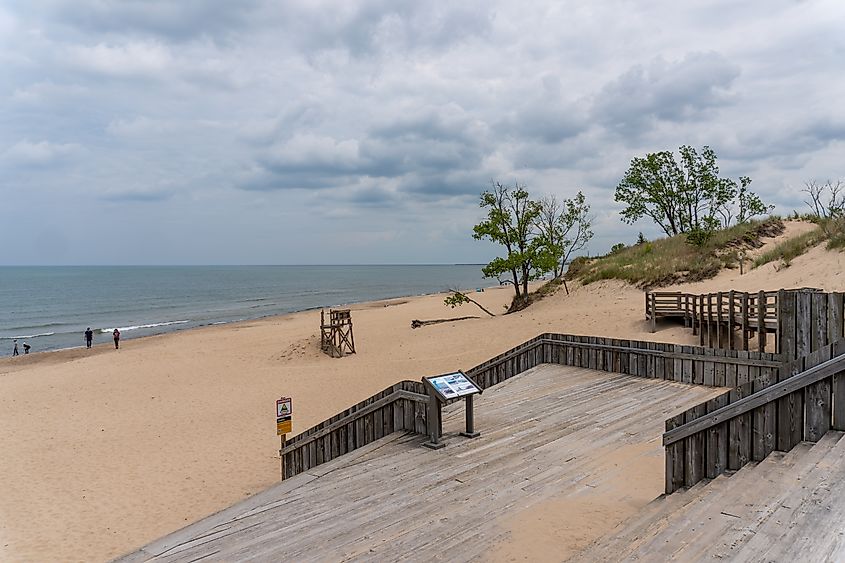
{"points": [[105, 450]]}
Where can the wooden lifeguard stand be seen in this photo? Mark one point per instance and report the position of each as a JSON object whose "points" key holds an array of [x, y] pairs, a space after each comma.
{"points": [[336, 337]]}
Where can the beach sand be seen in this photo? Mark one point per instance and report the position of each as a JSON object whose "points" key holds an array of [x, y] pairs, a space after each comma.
{"points": [[106, 450]]}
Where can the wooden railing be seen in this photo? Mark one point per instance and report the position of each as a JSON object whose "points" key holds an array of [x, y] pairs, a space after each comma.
{"points": [[802, 320], [403, 407], [400, 407], [803, 401], [716, 316]]}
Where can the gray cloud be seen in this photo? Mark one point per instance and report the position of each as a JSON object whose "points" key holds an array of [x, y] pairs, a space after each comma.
{"points": [[261, 115], [686, 90], [177, 21]]}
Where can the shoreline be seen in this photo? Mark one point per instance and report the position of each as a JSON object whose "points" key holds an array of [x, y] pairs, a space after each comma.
{"points": [[107, 331]]}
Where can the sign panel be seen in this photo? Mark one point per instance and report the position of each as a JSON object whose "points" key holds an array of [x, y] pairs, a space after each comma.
{"points": [[283, 426], [453, 385], [284, 409]]}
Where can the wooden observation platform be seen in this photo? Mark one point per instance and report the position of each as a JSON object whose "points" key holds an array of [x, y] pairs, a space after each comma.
{"points": [[336, 338]]}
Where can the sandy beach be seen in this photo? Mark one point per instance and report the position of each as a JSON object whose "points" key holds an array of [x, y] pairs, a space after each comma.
{"points": [[106, 450]]}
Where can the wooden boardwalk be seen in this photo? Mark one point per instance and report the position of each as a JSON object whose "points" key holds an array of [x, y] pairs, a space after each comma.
{"points": [[552, 432], [788, 507]]}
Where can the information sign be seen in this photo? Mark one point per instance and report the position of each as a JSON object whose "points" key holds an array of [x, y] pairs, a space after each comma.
{"points": [[284, 410], [453, 385]]}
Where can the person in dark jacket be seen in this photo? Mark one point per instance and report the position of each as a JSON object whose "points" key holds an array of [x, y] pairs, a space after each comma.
{"points": [[89, 336], [116, 335]]}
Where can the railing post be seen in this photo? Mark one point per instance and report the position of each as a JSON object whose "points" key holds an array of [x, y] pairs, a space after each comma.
{"points": [[653, 313], [719, 328], [762, 308], [744, 305], [710, 320], [731, 319], [693, 316]]}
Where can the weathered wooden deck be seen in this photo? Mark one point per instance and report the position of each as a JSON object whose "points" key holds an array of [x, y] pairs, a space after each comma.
{"points": [[545, 434], [788, 507]]}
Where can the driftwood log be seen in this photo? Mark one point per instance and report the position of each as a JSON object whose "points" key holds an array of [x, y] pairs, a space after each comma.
{"points": [[417, 324]]}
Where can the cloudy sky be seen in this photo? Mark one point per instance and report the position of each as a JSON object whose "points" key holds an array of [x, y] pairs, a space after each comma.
{"points": [[309, 132]]}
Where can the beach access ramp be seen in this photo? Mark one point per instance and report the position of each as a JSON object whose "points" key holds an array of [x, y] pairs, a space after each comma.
{"points": [[554, 438]]}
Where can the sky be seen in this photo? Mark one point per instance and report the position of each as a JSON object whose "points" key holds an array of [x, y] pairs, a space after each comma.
{"points": [[363, 132]]}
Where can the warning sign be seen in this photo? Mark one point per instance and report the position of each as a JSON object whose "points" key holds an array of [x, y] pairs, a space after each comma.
{"points": [[284, 409]]}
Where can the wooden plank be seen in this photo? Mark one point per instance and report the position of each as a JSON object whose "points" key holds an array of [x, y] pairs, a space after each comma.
{"points": [[764, 420], [835, 328], [674, 457], [730, 371], [786, 325], [818, 400], [790, 408], [818, 323], [694, 453], [742, 371], [716, 441], [698, 366], [739, 432], [803, 323], [731, 319], [744, 321], [709, 368], [710, 321], [720, 332], [838, 388]]}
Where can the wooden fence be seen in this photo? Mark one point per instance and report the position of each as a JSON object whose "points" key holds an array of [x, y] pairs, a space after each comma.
{"points": [[673, 362], [809, 321], [399, 407], [802, 320], [774, 411], [403, 407]]}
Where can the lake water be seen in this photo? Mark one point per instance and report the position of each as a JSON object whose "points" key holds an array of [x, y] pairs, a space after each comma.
{"points": [[50, 306]]}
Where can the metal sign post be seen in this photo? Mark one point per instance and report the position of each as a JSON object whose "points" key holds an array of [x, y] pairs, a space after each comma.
{"points": [[284, 423], [470, 418], [442, 389]]}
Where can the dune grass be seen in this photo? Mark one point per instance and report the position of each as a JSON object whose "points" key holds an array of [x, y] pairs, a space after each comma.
{"points": [[672, 260], [830, 230]]}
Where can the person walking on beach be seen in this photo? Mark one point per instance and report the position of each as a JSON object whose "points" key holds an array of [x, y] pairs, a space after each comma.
{"points": [[116, 335], [15, 351], [89, 336], [26, 348]]}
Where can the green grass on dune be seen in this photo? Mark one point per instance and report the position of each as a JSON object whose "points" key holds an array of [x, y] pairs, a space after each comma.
{"points": [[671, 260], [830, 230]]}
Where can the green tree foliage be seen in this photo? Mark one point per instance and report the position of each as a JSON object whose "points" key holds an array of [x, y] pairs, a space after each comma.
{"points": [[689, 197], [510, 222], [565, 228]]}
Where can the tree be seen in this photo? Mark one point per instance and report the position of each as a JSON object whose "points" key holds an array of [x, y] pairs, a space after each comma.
{"points": [[686, 198], [834, 193], [564, 228], [456, 298], [511, 216]]}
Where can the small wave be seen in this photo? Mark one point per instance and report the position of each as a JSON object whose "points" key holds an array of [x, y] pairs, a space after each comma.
{"points": [[26, 336], [136, 327]]}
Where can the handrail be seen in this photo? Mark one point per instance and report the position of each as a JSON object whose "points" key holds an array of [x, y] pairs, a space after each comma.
{"points": [[352, 417], [673, 355], [758, 399]]}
